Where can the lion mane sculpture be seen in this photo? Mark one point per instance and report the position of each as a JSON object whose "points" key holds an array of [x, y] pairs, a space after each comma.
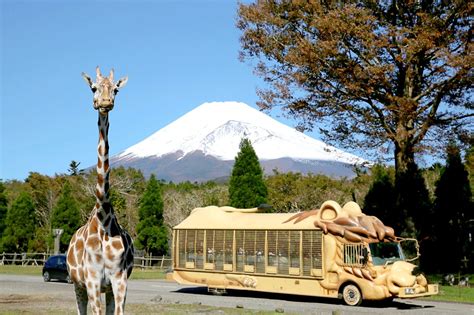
{"points": [[347, 222]]}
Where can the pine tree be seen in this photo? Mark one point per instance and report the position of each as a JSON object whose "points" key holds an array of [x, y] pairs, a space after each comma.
{"points": [[413, 204], [74, 169], [20, 224], [3, 208], [453, 212], [151, 232], [380, 200], [66, 215], [246, 187]]}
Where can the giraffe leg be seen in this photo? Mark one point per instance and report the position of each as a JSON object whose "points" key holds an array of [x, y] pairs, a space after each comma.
{"points": [[119, 287], [109, 303], [93, 293], [81, 299]]}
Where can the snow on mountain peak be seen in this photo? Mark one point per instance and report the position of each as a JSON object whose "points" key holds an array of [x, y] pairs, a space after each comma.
{"points": [[217, 128]]}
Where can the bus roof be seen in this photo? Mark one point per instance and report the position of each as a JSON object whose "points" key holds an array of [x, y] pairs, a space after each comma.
{"points": [[213, 217]]}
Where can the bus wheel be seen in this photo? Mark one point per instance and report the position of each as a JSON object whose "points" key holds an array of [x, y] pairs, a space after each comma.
{"points": [[351, 295]]}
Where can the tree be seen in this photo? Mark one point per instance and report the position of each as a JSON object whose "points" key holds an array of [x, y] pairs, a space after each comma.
{"points": [[74, 169], [3, 208], [413, 205], [378, 74], [20, 224], [246, 186], [44, 192], [66, 215], [453, 212], [152, 235], [381, 200]]}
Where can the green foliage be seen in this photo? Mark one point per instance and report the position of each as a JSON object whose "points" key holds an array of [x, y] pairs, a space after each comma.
{"points": [[151, 232], [380, 200], [292, 192], [3, 208], [413, 204], [246, 187], [454, 212], [20, 224], [66, 215], [74, 169]]}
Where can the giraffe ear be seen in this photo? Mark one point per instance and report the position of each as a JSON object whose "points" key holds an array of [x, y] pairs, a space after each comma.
{"points": [[87, 79], [121, 83], [111, 75], [98, 74]]}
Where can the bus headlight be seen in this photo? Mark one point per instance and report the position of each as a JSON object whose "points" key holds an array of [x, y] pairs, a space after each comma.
{"points": [[409, 290]]}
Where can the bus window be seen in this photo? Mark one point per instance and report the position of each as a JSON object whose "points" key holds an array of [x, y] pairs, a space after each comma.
{"points": [[181, 236], [355, 255], [219, 249], [294, 266], [249, 249], [190, 248], [312, 253], [272, 262], [383, 253], [210, 254], [229, 250], [260, 251], [200, 249], [282, 251]]}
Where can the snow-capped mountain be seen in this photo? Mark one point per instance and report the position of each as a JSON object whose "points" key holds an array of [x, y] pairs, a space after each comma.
{"points": [[202, 144]]}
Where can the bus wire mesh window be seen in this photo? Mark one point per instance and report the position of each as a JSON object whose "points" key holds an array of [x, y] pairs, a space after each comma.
{"points": [[260, 251], [272, 261], [200, 249], [210, 255], [219, 249], [239, 244], [283, 243], [191, 248], [182, 248], [295, 252], [312, 251], [229, 250]]}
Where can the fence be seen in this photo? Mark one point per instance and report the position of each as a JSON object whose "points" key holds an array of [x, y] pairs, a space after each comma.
{"points": [[38, 259]]}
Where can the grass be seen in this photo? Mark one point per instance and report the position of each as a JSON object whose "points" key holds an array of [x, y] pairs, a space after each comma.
{"points": [[446, 293], [137, 274], [453, 294], [21, 270], [141, 274]]}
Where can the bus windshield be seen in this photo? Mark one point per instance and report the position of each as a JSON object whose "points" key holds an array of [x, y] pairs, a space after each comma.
{"points": [[383, 253]]}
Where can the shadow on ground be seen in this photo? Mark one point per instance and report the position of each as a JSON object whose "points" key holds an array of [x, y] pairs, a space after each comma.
{"points": [[396, 304]]}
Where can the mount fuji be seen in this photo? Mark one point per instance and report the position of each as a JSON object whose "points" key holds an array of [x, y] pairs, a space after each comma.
{"points": [[202, 144]]}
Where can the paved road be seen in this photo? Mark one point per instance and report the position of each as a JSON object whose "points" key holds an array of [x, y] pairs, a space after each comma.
{"points": [[160, 291]]}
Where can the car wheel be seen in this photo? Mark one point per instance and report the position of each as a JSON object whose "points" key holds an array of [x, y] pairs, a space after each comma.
{"points": [[46, 276], [68, 279], [351, 295]]}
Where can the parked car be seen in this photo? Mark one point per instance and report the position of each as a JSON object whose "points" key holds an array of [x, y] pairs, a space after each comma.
{"points": [[55, 268]]}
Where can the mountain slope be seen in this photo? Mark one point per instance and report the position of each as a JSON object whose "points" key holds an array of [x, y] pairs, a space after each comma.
{"points": [[202, 144]]}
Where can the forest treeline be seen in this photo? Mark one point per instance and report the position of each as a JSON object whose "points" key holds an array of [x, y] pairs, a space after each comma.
{"points": [[30, 209]]}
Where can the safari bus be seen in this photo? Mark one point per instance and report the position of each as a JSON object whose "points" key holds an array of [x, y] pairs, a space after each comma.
{"points": [[333, 251]]}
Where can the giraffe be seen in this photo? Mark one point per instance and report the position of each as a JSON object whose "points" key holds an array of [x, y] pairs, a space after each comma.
{"points": [[100, 254]]}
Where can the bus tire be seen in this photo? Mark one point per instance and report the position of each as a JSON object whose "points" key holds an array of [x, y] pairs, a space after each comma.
{"points": [[351, 295]]}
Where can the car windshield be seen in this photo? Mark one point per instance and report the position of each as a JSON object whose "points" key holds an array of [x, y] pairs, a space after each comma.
{"points": [[385, 252]]}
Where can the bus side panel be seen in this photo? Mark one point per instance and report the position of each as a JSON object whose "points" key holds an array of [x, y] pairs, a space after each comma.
{"points": [[298, 286]]}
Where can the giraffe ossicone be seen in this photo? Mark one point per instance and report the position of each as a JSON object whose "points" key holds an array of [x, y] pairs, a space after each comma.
{"points": [[100, 253]]}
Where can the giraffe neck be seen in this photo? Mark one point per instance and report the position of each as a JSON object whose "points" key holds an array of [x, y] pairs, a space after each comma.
{"points": [[103, 207]]}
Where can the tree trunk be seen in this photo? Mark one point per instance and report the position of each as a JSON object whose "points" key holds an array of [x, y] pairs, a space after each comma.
{"points": [[404, 151]]}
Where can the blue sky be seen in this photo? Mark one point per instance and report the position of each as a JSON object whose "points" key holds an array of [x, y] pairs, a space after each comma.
{"points": [[177, 55]]}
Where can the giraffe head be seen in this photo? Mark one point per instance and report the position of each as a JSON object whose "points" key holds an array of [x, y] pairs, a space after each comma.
{"points": [[104, 89]]}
